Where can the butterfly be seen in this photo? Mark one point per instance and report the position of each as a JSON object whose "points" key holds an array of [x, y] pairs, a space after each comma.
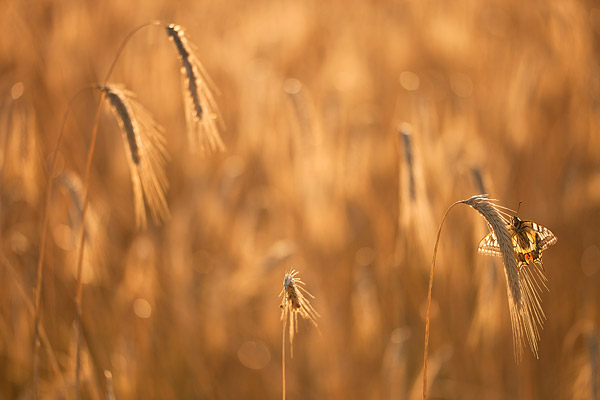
{"points": [[528, 238]]}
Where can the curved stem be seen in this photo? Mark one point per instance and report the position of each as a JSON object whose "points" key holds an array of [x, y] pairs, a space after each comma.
{"points": [[425, 352], [122, 46]]}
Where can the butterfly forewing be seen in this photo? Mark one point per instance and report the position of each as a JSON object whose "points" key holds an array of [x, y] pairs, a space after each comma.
{"points": [[489, 245]]}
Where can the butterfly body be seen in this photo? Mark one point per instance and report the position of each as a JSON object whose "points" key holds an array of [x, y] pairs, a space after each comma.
{"points": [[528, 239]]}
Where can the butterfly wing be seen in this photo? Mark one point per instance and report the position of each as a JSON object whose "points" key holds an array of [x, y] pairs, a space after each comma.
{"points": [[489, 245], [534, 239], [529, 240], [545, 237]]}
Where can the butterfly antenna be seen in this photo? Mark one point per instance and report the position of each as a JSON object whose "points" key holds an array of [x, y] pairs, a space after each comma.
{"points": [[519, 206]]}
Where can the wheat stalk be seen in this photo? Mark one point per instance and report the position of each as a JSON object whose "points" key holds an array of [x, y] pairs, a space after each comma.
{"points": [[201, 109], [523, 297], [81, 240], [146, 153], [86, 185], [43, 239], [294, 303], [523, 284]]}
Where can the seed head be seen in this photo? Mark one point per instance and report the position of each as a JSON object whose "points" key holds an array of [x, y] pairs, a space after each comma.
{"points": [[295, 303]]}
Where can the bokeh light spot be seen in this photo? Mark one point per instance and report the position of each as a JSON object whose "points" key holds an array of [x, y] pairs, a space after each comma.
{"points": [[254, 355], [17, 90], [142, 308], [409, 80]]}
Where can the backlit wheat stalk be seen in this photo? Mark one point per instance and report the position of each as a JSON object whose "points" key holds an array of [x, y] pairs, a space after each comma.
{"points": [[146, 153], [294, 303], [523, 285], [201, 109]]}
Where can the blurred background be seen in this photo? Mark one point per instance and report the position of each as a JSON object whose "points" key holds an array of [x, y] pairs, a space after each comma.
{"points": [[350, 127]]}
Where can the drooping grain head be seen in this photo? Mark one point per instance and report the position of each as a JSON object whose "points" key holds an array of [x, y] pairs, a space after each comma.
{"points": [[294, 303], [523, 283], [200, 106], [498, 224], [94, 234], [146, 152]]}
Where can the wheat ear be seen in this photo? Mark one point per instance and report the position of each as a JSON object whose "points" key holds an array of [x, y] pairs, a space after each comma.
{"points": [[294, 303], [523, 284], [146, 153], [201, 109]]}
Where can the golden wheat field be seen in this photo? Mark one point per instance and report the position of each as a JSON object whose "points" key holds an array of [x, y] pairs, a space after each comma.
{"points": [[251, 139]]}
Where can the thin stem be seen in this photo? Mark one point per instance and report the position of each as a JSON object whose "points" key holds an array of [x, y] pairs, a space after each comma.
{"points": [[425, 352], [283, 359], [86, 184], [123, 44], [40, 269], [88, 170]]}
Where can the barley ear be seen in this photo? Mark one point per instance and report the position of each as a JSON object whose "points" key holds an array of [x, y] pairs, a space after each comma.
{"points": [[146, 153], [498, 225], [201, 109], [523, 284]]}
